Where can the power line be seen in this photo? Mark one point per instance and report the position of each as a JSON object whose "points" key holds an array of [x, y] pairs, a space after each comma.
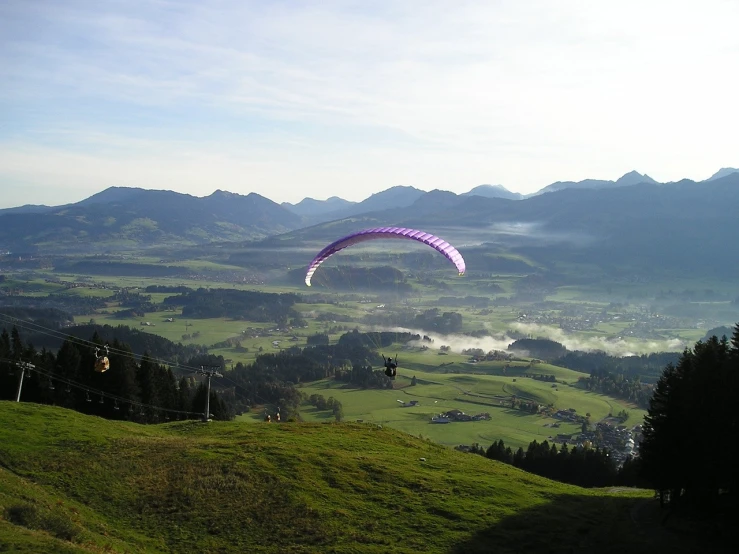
{"points": [[32, 326], [35, 327], [27, 367]]}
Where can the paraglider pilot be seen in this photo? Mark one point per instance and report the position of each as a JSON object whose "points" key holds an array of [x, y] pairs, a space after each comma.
{"points": [[390, 366]]}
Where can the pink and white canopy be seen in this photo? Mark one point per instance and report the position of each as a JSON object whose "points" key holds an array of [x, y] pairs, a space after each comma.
{"points": [[434, 242]]}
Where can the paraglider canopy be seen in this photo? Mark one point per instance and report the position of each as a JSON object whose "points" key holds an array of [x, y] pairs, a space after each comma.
{"points": [[434, 242]]}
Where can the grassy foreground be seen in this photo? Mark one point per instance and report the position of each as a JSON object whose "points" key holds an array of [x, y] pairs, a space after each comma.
{"points": [[74, 483]]}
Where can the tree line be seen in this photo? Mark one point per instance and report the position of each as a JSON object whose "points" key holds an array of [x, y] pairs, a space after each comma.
{"points": [[691, 430], [585, 467], [648, 367], [619, 386], [138, 382], [237, 304]]}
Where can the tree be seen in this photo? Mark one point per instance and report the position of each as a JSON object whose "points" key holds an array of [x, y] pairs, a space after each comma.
{"points": [[16, 344], [4, 344], [183, 396], [518, 457], [318, 338], [338, 411], [702, 383]]}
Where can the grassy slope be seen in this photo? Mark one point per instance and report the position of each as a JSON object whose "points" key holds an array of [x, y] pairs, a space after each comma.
{"points": [[226, 487]]}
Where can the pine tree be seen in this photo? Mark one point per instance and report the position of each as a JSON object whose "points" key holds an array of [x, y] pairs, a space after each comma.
{"points": [[518, 458], [694, 398], [660, 446], [183, 395], [4, 344], [16, 345]]}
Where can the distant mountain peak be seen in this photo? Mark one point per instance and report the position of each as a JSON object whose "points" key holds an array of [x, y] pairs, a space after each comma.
{"points": [[120, 194], [723, 172], [630, 178], [634, 178], [225, 193], [394, 190], [493, 191], [310, 207]]}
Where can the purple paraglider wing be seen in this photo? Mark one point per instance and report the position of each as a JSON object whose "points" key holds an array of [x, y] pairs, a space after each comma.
{"points": [[435, 242]]}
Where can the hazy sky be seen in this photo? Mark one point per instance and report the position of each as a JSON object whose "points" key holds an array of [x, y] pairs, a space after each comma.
{"points": [[291, 99]]}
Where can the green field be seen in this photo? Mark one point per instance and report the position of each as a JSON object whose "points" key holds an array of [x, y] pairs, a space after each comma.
{"points": [[438, 392], [445, 382], [72, 483]]}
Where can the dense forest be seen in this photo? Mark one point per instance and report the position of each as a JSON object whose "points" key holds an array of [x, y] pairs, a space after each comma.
{"points": [[236, 304], [615, 384], [691, 431], [543, 349], [431, 320], [385, 279], [647, 367]]}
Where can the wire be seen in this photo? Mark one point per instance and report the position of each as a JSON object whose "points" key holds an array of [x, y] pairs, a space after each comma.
{"points": [[102, 394], [37, 328]]}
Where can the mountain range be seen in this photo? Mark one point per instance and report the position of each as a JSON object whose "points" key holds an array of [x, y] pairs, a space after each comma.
{"points": [[634, 220], [336, 208]]}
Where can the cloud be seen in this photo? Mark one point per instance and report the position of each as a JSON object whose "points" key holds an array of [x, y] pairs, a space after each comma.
{"points": [[617, 347], [614, 347]]}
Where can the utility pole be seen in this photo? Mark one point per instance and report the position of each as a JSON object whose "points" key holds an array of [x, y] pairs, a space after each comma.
{"points": [[211, 372], [24, 366]]}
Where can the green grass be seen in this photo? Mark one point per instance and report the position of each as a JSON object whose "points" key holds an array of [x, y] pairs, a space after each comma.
{"points": [[74, 483], [438, 392]]}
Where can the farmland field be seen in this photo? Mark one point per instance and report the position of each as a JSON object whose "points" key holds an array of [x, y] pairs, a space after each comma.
{"points": [[438, 392], [580, 317]]}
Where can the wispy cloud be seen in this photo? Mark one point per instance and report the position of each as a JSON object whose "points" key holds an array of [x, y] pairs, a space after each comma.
{"points": [[439, 94]]}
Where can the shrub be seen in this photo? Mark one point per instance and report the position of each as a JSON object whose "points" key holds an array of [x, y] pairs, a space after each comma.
{"points": [[55, 522], [22, 514]]}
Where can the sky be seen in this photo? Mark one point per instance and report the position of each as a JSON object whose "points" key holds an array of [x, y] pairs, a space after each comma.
{"points": [[292, 99]]}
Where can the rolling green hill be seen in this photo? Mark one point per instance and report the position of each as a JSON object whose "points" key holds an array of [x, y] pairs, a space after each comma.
{"points": [[74, 483]]}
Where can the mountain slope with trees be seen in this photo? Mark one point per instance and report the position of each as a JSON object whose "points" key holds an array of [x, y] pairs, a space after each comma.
{"points": [[121, 217]]}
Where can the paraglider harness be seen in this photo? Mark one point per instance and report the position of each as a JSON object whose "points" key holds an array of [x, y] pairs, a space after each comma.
{"points": [[390, 366]]}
